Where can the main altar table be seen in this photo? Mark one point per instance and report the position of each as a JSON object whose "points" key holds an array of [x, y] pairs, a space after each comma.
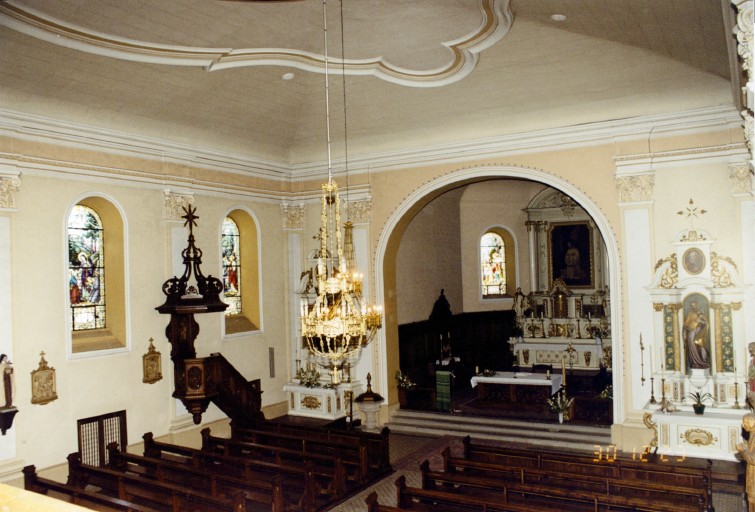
{"points": [[519, 390]]}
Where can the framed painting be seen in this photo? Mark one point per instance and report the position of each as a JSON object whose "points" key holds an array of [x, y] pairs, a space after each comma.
{"points": [[571, 254]]}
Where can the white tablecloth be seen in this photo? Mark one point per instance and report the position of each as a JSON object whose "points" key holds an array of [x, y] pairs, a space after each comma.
{"points": [[520, 379]]}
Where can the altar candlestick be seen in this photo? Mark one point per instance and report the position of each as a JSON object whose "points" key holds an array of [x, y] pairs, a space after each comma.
{"points": [[563, 372], [651, 359]]}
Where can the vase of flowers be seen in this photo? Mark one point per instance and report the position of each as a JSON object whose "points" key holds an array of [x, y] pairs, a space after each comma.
{"points": [[309, 378], [560, 404]]}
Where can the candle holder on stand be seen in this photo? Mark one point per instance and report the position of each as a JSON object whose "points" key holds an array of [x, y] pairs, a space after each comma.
{"points": [[642, 362], [652, 391], [542, 326], [579, 331], [736, 395]]}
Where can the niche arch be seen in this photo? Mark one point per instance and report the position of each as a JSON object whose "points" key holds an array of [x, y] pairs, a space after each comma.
{"points": [[386, 350]]}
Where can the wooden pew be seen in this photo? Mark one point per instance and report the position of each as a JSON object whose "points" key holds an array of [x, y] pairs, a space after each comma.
{"points": [[321, 458], [693, 475], [553, 484], [516, 497], [151, 493], [373, 506], [77, 496], [269, 489], [371, 448], [327, 482]]}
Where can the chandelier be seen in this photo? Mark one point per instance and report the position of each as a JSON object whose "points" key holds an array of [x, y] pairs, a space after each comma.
{"points": [[339, 322]]}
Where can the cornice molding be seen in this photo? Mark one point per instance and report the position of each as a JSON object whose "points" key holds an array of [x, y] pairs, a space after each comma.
{"points": [[495, 24], [76, 170], [52, 131], [40, 129]]}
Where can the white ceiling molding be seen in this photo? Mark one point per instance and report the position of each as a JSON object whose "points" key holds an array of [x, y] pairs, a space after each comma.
{"points": [[41, 129], [495, 24]]}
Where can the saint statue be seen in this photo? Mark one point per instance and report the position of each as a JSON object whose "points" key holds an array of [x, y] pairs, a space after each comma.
{"points": [[695, 333], [6, 370], [519, 303], [748, 454]]}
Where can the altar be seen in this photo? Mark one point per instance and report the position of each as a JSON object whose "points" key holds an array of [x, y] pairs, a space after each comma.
{"points": [[571, 353], [329, 403], [713, 435], [520, 390]]}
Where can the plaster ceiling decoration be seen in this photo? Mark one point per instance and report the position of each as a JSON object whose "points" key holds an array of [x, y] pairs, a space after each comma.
{"points": [[243, 81], [460, 31]]}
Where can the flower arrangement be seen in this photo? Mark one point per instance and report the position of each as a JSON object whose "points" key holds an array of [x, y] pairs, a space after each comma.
{"points": [[310, 377], [607, 393], [403, 381], [560, 402]]}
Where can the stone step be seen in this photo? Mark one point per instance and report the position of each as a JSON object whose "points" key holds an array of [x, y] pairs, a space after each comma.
{"points": [[552, 435]]}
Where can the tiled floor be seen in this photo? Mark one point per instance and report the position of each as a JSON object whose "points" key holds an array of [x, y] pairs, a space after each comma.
{"points": [[405, 454]]}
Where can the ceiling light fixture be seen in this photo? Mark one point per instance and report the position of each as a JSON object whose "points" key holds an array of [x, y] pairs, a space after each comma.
{"points": [[339, 322]]}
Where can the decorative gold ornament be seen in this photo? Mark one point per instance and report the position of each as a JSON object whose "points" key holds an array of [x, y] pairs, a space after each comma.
{"points": [[698, 437], [310, 402], [647, 419]]}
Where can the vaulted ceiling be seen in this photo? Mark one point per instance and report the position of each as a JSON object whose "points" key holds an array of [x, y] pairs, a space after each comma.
{"points": [[246, 78]]}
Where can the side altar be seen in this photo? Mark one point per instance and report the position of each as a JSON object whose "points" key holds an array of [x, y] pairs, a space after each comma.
{"points": [[329, 403]]}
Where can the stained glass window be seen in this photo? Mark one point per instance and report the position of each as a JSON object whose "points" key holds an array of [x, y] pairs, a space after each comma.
{"points": [[86, 269], [229, 241], [493, 265]]}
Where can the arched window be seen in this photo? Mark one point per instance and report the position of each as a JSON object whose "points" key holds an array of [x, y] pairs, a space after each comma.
{"points": [[493, 265], [239, 244], [497, 263], [96, 276], [86, 269], [229, 241]]}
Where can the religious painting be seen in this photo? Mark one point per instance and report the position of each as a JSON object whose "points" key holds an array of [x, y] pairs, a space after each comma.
{"points": [[696, 331], [43, 385], [571, 254], [693, 261]]}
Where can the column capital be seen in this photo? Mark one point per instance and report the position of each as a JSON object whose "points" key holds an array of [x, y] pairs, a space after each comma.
{"points": [[174, 204], [9, 185], [293, 216], [635, 187]]}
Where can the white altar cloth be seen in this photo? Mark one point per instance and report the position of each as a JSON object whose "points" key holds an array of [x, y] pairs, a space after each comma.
{"points": [[520, 379]]}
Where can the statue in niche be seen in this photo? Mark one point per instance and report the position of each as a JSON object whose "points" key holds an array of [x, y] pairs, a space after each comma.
{"points": [[695, 332]]}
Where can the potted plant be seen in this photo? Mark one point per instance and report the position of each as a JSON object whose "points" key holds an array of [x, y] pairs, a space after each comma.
{"points": [[561, 404], [698, 401], [404, 383]]}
